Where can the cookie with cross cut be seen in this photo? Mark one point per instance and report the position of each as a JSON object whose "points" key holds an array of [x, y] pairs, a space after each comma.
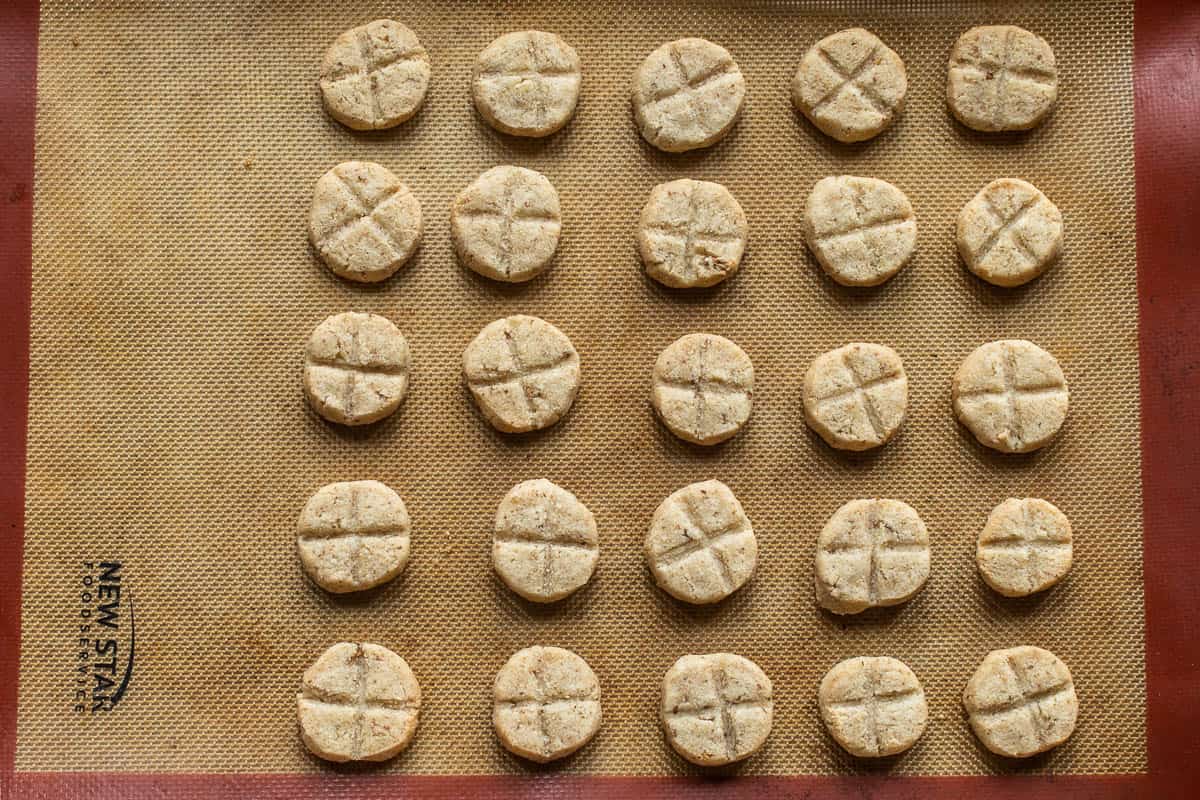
{"points": [[526, 83], [506, 224], [545, 544], [855, 397], [871, 553], [687, 94], [1025, 547], [1001, 78], [861, 230], [1009, 233], [1021, 701], [716, 708], [356, 368], [353, 535], [375, 76], [701, 547], [850, 85], [1012, 395], [692, 233], [873, 706], [546, 703], [358, 702], [702, 388], [364, 223], [523, 373]]}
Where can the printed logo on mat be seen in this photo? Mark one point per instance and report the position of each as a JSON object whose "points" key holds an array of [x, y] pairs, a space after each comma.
{"points": [[106, 640]]}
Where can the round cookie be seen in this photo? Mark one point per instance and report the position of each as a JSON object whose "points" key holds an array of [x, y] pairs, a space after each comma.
{"points": [[716, 708], [871, 553], [701, 547], [692, 233], [364, 222], [1009, 233], [526, 83], [1021, 701], [873, 706], [374, 76], [687, 94], [545, 544], [546, 703], [850, 85], [1025, 547], [506, 224], [1001, 78], [523, 372], [862, 231], [1011, 394], [353, 535], [358, 702], [356, 368], [855, 396], [702, 388]]}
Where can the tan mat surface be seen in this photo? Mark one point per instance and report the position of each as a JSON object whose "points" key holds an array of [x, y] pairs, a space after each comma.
{"points": [[174, 289]]}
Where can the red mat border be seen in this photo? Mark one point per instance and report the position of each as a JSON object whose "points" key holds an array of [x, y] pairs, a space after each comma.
{"points": [[1167, 156]]}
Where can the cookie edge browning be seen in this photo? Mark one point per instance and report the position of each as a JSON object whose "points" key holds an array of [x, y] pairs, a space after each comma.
{"points": [[494, 122]]}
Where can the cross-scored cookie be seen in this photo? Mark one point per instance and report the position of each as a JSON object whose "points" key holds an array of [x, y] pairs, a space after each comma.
{"points": [[1021, 701], [356, 368], [701, 547], [873, 706], [526, 83], [1012, 395], [1001, 78], [850, 85], [523, 372], [871, 553], [716, 708], [545, 544], [506, 224], [861, 230], [1010, 232], [687, 94], [692, 233], [364, 222], [375, 76], [358, 702], [353, 535], [1025, 547], [546, 703], [702, 388], [855, 396]]}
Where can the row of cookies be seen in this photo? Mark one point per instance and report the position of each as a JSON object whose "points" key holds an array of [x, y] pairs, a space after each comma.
{"points": [[362, 702], [689, 93]]}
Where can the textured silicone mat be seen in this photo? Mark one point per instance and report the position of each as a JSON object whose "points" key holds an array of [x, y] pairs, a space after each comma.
{"points": [[173, 289]]}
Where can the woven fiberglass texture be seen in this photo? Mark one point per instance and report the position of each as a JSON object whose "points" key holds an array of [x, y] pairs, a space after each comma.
{"points": [[174, 289]]}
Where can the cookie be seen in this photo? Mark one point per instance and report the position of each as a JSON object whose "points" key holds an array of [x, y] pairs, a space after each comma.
{"points": [[546, 703], [358, 702], [702, 388], [356, 368], [374, 76], [871, 553], [862, 231], [701, 547], [506, 224], [1012, 395], [523, 372], [716, 708], [364, 222], [1009, 233], [1021, 701], [873, 706], [1025, 547], [855, 396], [692, 233], [687, 94], [526, 83], [353, 535], [1001, 78], [545, 545], [850, 85]]}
